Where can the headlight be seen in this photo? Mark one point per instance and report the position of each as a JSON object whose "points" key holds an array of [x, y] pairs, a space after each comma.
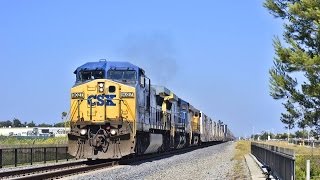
{"points": [[113, 132], [101, 87], [83, 131]]}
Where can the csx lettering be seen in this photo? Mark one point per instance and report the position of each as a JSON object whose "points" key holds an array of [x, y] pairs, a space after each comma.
{"points": [[101, 100]]}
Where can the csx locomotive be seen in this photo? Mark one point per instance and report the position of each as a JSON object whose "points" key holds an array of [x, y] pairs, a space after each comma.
{"points": [[115, 111]]}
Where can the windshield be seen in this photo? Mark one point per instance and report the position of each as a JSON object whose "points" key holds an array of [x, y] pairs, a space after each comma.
{"points": [[90, 75], [123, 75]]}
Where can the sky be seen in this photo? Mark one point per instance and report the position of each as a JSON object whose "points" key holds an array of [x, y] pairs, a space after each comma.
{"points": [[214, 54]]}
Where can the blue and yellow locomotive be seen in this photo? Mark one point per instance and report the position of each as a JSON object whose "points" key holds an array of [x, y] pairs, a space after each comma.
{"points": [[115, 111]]}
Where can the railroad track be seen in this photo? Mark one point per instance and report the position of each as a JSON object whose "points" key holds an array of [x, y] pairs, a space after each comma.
{"points": [[68, 169], [56, 171]]}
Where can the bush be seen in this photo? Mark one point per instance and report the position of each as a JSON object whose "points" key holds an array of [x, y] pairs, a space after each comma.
{"points": [[301, 166]]}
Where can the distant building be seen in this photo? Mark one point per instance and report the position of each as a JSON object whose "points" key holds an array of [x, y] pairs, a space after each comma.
{"points": [[34, 131]]}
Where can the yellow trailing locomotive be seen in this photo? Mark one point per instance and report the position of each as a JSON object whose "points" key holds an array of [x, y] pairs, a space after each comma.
{"points": [[115, 111]]}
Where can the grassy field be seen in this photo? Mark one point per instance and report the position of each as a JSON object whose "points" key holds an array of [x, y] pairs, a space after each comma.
{"points": [[25, 141], [298, 149], [242, 148], [302, 154]]}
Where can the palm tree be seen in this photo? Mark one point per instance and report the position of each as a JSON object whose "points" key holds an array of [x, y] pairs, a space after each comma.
{"points": [[63, 116]]}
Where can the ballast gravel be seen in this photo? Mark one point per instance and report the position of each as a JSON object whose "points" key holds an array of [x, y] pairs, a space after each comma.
{"points": [[214, 162]]}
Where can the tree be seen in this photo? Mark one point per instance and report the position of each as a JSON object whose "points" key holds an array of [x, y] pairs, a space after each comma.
{"points": [[265, 134], [301, 134], [313, 133], [297, 54], [60, 124], [284, 136], [44, 125], [31, 124], [5, 123], [281, 136], [65, 123], [255, 136], [17, 123], [63, 115]]}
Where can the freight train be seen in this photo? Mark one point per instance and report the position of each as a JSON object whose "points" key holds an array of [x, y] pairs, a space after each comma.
{"points": [[116, 111]]}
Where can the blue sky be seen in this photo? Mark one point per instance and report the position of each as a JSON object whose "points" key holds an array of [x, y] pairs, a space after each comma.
{"points": [[215, 54]]}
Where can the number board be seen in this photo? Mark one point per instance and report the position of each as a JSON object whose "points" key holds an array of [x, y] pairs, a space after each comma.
{"points": [[77, 95], [127, 94]]}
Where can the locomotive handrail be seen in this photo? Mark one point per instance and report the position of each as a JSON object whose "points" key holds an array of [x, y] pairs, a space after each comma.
{"points": [[71, 114], [90, 109], [130, 111]]}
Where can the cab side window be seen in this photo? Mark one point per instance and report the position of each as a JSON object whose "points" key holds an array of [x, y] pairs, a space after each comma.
{"points": [[142, 81], [142, 78]]}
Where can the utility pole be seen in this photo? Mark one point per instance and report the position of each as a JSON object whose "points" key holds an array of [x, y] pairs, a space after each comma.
{"points": [[288, 134], [253, 132], [309, 137]]}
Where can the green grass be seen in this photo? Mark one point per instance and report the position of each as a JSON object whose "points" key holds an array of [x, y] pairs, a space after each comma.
{"points": [[26, 141]]}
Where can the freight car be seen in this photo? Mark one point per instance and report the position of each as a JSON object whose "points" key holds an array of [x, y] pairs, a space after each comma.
{"points": [[115, 111]]}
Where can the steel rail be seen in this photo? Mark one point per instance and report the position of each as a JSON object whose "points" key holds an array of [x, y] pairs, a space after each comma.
{"points": [[29, 171], [67, 172]]}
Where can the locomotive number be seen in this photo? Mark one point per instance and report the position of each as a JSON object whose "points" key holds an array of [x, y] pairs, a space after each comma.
{"points": [[127, 94], [77, 95]]}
